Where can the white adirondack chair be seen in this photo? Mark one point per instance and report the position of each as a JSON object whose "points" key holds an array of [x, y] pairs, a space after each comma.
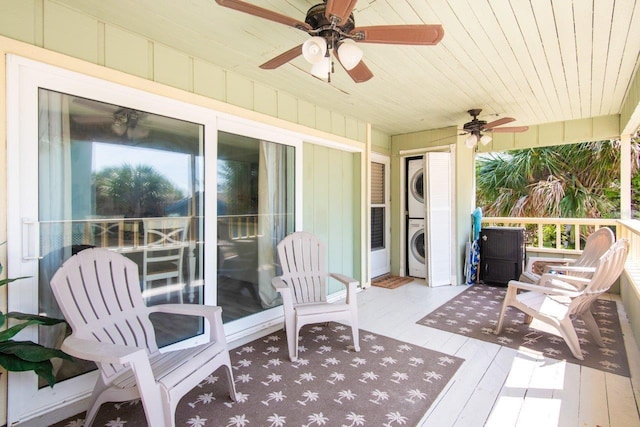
{"points": [[554, 303], [99, 294], [303, 286], [597, 244]]}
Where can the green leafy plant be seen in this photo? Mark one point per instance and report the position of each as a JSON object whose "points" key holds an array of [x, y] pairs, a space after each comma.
{"points": [[21, 356]]}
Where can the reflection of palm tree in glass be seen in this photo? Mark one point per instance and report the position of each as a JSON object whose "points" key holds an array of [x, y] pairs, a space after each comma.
{"points": [[238, 185], [133, 191]]}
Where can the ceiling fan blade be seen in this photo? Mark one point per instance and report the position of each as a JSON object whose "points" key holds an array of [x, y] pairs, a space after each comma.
{"points": [[510, 129], [341, 9], [264, 13], [399, 34], [360, 73], [499, 122], [283, 58]]}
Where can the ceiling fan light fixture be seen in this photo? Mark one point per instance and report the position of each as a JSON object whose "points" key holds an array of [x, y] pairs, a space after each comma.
{"points": [[471, 141], [322, 69], [137, 132], [485, 139], [349, 54], [314, 49], [119, 128]]}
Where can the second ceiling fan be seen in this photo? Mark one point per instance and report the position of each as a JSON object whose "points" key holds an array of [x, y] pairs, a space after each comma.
{"points": [[332, 29], [476, 127]]}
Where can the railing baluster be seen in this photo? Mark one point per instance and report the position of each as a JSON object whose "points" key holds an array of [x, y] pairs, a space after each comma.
{"points": [[120, 234], [540, 236]]}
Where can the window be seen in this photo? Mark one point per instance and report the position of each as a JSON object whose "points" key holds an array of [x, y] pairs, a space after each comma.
{"points": [[377, 205]]}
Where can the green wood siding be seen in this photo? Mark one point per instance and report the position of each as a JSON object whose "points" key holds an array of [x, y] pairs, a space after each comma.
{"points": [[380, 142], [18, 20], [331, 210], [70, 32], [209, 80], [127, 52]]}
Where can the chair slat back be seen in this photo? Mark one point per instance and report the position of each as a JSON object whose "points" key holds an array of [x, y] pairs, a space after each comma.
{"points": [[596, 245], [302, 258], [608, 269], [99, 294], [165, 231]]}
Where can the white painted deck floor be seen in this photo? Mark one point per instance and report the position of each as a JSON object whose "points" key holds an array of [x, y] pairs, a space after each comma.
{"points": [[499, 386]]}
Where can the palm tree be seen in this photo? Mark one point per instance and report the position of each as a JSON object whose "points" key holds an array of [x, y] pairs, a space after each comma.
{"points": [[133, 191], [573, 180]]}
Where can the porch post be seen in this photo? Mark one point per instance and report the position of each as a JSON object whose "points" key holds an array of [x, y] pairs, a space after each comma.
{"points": [[625, 176]]}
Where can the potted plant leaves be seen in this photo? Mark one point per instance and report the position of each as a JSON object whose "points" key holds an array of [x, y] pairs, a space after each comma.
{"points": [[21, 356]]}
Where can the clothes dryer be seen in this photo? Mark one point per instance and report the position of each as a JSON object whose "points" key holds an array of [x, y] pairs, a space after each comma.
{"points": [[416, 251], [415, 188]]}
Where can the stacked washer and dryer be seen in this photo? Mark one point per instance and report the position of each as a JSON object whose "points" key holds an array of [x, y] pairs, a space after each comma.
{"points": [[430, 236], [416, 223]]}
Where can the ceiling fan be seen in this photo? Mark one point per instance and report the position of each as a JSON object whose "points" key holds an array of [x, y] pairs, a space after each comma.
{"points": [[476, 127], [332, 29], [123, 121]]}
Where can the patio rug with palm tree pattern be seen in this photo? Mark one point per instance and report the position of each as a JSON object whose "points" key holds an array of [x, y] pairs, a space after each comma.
{"points": [[474, 313], [387, 383]]}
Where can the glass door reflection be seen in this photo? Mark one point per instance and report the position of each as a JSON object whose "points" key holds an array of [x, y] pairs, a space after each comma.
{"points": [[255, 211], [127, 180]]}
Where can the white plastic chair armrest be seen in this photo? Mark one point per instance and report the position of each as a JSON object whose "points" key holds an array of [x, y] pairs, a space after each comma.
{"points": [[561, 280], [346, 280], [282, 287], [349, 282], [535, 259], [570, 268], [279, 284], [212, 313], [542, 289], [99, 351], [557, 280]]}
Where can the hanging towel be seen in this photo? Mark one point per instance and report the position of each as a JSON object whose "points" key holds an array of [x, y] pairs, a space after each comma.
{"points": [[477, 223]]}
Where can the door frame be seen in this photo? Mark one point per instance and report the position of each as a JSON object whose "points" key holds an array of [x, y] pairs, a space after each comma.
{"points": [[402, 208], [382, 256]]}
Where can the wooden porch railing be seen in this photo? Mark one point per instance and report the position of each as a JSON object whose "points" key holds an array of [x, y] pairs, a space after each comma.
{"points": [[555, 235], [630, 230], [578, 228]]}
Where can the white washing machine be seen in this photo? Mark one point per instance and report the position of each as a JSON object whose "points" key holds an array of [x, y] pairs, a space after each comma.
{"points": [[416, 251], [415, 188]]}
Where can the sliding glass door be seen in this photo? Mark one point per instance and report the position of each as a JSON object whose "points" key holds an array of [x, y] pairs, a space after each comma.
{"points": [[98, 165], [119, 178], [255, 211]]}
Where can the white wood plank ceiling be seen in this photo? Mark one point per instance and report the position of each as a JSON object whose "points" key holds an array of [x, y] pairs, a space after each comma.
{"points": [[537, 61]]}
